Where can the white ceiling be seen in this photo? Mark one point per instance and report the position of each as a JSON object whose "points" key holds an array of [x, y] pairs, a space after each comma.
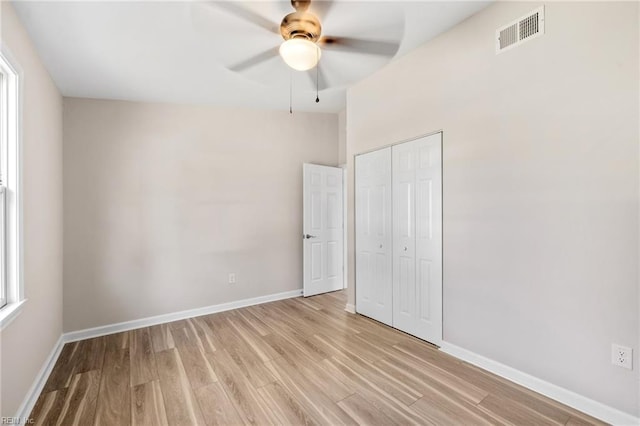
{"points": [[180, 51]]}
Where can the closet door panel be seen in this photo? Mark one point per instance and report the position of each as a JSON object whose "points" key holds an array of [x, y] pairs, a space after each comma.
{"points": [[429, 238], [373, 235], [417, 248], [404, 277]]}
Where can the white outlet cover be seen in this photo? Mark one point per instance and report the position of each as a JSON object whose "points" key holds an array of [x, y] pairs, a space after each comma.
{"points": [[622, 356]]}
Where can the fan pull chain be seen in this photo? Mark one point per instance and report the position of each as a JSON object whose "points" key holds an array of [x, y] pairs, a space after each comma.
{"points": [[317, 84], [290, 92]]}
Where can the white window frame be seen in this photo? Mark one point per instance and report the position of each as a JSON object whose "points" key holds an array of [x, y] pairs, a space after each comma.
{"points": [[11, 253]]}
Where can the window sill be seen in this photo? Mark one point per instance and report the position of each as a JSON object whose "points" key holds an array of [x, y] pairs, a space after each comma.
{"points": [[10, 312]]}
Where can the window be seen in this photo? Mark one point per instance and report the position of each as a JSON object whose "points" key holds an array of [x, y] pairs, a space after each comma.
{"points": [[11, 292], [3, 241]]}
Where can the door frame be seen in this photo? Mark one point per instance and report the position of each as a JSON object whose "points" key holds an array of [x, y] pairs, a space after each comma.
{"points": [[345, 233], [355, 249]]}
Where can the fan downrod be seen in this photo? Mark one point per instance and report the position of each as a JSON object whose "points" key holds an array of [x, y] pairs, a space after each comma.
{"points": [[300, 5]]}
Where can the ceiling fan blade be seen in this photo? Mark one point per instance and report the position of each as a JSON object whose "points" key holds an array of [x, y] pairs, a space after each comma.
{"points": [[247, 15], [254, 60], [358, 45], [321, 8], [322, 78]]}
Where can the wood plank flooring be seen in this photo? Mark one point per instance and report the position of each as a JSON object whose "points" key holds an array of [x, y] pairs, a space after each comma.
{"points": [[295, 362]]}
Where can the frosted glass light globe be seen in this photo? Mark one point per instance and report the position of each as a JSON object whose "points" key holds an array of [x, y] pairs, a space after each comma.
{"points": [[300, 54]]}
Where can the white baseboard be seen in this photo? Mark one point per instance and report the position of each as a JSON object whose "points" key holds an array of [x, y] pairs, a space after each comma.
{"points": [[88, 333], [565, 396], [350, 308], [38, 384]]}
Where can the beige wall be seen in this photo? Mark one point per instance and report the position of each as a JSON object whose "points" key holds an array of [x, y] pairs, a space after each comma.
{"points": [[29, 339], [342, 137], [540, 186], [162, 202]]}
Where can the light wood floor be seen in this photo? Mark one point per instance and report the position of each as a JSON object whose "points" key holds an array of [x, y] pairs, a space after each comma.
{"points": [[297, 361]]}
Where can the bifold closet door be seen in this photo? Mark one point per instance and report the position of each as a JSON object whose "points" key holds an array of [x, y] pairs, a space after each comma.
{"points": [[417, 237], [374, 292]]}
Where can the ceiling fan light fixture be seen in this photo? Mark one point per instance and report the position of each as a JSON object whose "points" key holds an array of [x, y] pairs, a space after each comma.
{"points": [[300, 54]]}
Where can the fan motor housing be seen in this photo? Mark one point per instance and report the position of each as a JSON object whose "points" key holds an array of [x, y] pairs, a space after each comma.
{"points": [[301, 24]]}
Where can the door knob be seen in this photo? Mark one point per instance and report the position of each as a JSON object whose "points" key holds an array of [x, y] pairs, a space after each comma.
{"points": [[380, 245], [307, 236], [405, 249]]}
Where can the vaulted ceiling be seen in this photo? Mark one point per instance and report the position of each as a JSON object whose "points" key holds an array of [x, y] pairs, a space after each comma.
{"points": [[183, 51]]}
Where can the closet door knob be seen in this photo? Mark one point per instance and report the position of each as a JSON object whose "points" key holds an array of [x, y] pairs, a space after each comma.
{"points": [[405, 249], [380, 245]]}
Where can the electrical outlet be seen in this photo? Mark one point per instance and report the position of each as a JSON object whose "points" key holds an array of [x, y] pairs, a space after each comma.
{"points": [[232, 278], [621, 356]]}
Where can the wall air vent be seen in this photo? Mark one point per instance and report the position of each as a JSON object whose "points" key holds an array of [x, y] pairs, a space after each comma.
{"points": [[517, 32]]}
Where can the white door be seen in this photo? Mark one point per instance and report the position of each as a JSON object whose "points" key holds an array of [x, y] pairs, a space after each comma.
{"points": [[373, 235], [322, 229], [417, 247]]}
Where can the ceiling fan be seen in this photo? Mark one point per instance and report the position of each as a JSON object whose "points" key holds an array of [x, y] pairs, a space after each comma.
{"points": [[303, 41]]}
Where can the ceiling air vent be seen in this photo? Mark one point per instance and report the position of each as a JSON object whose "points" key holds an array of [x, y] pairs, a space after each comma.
{"points": [[517, 32]]}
